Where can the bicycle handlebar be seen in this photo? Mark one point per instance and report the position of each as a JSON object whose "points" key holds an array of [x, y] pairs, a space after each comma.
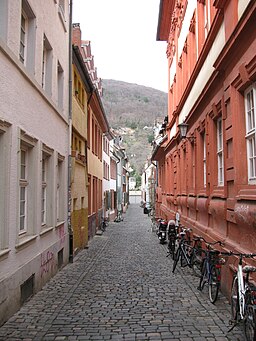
{"points": [[184, 230], [210, 243], [243, 255]]}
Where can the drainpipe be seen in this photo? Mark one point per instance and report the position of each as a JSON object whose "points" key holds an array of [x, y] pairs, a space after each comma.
{"points": [[70, 230]]}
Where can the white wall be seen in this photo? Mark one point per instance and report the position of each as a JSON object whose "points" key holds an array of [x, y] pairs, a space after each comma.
{"points": [[25, 106]]}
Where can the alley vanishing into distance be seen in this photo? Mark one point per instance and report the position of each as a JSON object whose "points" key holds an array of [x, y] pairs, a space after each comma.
{"points": [[122, 288]]}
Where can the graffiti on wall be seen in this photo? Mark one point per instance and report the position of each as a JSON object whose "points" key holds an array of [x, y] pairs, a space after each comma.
{"points": [[246, 214], [47, 262]]}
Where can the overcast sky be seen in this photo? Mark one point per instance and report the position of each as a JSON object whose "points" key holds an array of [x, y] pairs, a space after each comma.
{"points": [[123, 40]]}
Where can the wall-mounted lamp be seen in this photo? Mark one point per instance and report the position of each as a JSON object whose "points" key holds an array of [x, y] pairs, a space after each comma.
{"points": [[183, 128]]}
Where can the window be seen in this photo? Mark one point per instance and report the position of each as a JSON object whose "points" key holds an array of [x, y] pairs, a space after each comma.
{"points": [[47, 66], [27, 36], [62, 7], [47, 182], [60, 85], [59, 190], [220, 152], [27, 183], [204, 158], [23, 188], [207, 17], [23, 36], [250, 96], [61, 12], [44, 188]]}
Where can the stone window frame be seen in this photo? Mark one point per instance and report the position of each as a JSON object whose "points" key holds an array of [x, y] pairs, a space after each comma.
{"points": [[250, 136], [5, 152], [220, 151]]}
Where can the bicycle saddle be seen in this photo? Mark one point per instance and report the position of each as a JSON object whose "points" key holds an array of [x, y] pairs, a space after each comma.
{"points": [[249, 268]]}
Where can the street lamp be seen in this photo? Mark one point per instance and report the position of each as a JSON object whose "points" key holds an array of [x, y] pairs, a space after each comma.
{"points": [[183, 128]]}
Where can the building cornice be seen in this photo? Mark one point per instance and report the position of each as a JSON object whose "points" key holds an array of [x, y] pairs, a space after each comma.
{"points": [[244, 30], [166, 8]]}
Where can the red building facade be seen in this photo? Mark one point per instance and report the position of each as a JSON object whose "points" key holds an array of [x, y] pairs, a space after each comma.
{"points": [[209, 177]]}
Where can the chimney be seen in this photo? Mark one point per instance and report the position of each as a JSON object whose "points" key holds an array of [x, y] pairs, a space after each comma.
{"points": [[76, 36]]}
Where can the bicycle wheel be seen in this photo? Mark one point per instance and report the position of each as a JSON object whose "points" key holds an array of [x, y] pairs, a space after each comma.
{"points": [[234, 300], [171, 247], [214, 284], [176, 259], [203, 277], [103, 226], [196, 262], [185, 256], [249, 318]]}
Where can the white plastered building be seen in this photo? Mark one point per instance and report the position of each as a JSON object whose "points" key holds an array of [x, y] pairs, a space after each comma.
{"points": [[34, 140]]}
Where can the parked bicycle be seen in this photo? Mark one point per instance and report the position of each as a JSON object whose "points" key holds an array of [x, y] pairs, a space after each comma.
{"points": [[119, 217], [187, 254], [211, 270], [243, 297], [104, 223], [172, 238]]}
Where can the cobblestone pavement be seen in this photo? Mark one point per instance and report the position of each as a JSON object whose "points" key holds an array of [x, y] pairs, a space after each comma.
{"points": [[122, 288]]}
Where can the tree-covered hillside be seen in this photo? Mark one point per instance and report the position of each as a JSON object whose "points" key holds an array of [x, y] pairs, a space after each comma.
{"points": [[131, 110]]}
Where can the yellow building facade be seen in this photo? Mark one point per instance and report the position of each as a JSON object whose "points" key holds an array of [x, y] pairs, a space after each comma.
{"points": [[82, 88]]}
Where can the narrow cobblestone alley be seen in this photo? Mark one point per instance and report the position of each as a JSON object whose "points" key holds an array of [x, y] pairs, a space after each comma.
{"points": [[122, 288]]}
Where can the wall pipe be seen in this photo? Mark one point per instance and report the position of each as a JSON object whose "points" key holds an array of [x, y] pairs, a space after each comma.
{"points": [[70, 230]]}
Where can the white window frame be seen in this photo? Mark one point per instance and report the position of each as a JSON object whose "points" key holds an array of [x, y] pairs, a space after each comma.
{"points": [[62, 7], [220, 152], [60, 190], [28, 42], [23, 40], [207, 17], [28, 145], [46, 76], [250, 118], [204, 158], [60, 78], [44, 188], [44, 66], [24, 183], [47, 181]]}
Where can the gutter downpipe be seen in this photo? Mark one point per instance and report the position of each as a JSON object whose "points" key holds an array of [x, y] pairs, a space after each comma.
{"points": [[70, 230]]}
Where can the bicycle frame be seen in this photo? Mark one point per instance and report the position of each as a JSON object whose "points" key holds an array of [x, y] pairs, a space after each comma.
{"points": [[211, 271], [241, 289], [181, 252], [243, 308], [184, 253]]}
